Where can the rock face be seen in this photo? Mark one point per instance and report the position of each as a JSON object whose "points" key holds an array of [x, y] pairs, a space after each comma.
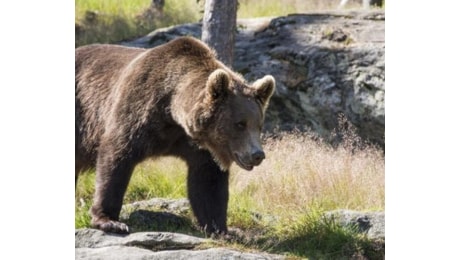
{"points": [[157, 214], [95, 244], [325, 64], [370, 223]]}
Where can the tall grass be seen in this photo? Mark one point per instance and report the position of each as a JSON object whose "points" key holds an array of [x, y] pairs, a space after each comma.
{"points": [[260, 8], [120, 7], [110, 21], [300, 179], [158, 179], [301, 172]]}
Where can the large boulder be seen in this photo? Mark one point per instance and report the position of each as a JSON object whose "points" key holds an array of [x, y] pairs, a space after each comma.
{"points": [[325, 64], [370, 223]]}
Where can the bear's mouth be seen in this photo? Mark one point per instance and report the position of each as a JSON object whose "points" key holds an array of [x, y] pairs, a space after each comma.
{"points": [[241, 163]]}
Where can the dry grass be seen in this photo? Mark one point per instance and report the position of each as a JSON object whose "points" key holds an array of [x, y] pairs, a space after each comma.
{"points": [[301, 173], [280, 204], [259, 8]]}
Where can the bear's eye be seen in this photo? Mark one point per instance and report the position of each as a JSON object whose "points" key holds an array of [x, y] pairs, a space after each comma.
{"points": [[241, 125]]}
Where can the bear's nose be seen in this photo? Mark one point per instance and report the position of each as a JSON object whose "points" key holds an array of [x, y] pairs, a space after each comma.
{"points": [[258, 157]]}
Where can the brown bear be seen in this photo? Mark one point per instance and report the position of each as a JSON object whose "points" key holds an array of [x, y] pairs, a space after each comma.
{"points": [[176, 99]]}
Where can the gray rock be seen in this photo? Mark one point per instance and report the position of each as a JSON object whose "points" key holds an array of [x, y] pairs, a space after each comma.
{"points": [[92, 238], [95, 244], [215, 253], [113, 253], [324, 64], [370, 223], [121, 253], [170, 205], [158, 214]]}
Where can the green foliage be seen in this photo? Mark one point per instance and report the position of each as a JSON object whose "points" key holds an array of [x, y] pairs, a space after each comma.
{"points": [[151, 179], [110, 21], [313, 235], [83, 198], [163, 181], [82, 216], [242, 213], [262, 8]]}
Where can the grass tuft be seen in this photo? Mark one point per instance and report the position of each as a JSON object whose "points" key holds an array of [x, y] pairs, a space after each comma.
{"points": [[157, 179], [313, 235]]}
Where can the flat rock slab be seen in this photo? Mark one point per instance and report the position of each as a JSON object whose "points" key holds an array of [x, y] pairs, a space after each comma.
{"points": [[92, 238], [122, 252], [96, 244]]}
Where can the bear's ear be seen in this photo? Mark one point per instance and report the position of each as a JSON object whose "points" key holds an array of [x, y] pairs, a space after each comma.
{"points": [[264, 89], [217, 85]]}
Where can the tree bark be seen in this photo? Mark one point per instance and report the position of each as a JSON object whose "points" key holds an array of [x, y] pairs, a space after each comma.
{"points": [[219, 27]]}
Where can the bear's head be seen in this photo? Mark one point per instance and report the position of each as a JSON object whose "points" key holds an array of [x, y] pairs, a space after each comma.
{"points": [[229, 118]]}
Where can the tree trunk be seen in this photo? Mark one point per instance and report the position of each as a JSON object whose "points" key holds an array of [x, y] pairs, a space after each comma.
{"points": [[219, 26]]}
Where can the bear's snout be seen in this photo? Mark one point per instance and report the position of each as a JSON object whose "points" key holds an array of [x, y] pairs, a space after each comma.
{"points": [[247, 161], [257, 157]]}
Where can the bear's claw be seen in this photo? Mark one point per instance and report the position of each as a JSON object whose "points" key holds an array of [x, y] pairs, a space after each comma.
{"points": [[112, 226]]}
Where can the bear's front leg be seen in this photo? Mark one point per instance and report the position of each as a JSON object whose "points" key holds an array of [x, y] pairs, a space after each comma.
{"points": [[112, 177], [208, 192]]}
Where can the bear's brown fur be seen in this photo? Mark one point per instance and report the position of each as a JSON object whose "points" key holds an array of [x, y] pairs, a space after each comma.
{"points": [[175, 99]]}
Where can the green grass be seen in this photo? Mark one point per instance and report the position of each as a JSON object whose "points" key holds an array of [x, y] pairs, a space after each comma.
{"points": [[278, 206], [159, 179], [262, 8], [313, 231], [110, 21], [151, 179]]}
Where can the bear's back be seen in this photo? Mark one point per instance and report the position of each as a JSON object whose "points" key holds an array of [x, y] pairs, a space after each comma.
{"points": [[103, 59]]}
